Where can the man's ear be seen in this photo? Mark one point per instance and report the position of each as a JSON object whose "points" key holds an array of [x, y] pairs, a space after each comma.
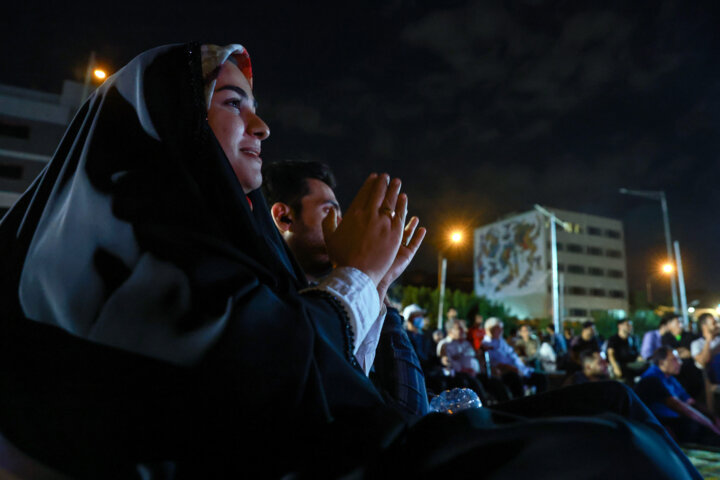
{"points": [[282, 216]]}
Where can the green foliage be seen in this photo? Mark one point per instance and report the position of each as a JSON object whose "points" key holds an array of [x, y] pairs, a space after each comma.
{"points": [[644, 321], [605, 323]]}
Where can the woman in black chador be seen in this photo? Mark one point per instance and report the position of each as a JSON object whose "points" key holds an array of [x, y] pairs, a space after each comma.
{"points": [[154, 324]]}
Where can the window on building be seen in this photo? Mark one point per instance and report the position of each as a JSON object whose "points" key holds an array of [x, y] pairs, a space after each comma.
{"points": [[594, 231], [574, 248], [612, 233], [11, 171], [576, 228], [617, 294], [14, 130], [615, 273], [613, 253], [598, 272], [577, 291], [597, 292], [578, 312], [594, 251], [575, 269]]}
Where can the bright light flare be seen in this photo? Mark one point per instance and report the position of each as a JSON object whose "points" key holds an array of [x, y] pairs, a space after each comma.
{"points": [[99, 74], [668, 268], [456, 237]]}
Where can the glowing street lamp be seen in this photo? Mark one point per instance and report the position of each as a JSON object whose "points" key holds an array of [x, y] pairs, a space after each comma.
{"points": [[456, 238], [99, 74], [668, 268]]}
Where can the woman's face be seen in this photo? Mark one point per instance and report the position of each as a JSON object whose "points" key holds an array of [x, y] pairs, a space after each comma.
{"points": [[236, 126]]}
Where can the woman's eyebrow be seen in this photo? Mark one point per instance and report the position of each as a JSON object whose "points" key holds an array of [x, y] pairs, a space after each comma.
{"points": [[237, 90]]}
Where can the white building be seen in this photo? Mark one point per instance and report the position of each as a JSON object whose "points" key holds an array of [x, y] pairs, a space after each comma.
{"points": [[32, 123], [512, 264]]}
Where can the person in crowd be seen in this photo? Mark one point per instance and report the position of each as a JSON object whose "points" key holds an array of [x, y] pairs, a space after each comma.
{"points": [[556, 341], [652, 340], [672, 405], [476, 332], [451, 315], [527, 346], [587, 340], [154, 320], [594, 369], [676, 337], [300, 195], [568, 335], [505, 363], [547, 358], [623, 354], [680, 340], [706, 349], [414, 317]]}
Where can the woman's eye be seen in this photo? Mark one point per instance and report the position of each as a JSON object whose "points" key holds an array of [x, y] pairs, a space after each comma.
{"points": [[235, 103]]}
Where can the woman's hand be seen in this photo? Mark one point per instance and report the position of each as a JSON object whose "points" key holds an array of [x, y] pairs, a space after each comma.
{"points": [[369, 235]]}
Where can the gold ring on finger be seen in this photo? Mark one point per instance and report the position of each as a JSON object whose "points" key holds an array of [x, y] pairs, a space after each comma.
{"points": [[388, 211]]}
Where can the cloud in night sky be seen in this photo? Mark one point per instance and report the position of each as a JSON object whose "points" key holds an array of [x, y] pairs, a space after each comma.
{"points": [[482, 107]]}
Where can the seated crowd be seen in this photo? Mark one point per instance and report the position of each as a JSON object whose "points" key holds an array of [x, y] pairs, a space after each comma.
{"points": [[500, 368]]}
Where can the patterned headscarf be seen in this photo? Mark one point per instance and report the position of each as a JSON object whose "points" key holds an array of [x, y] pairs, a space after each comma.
{"points": [[213, 57]]}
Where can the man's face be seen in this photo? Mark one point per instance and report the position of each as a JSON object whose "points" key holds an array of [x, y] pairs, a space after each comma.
{"points": [[588, 332], [712, 326], [625, 328], [236, 126], [457, 332], [305, 236], [598, 367], [671, 364], [675, 327], [496, 331]]}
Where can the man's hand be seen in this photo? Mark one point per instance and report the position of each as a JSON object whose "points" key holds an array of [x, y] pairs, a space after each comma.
{"points": [[368, 238], [412, 238]]}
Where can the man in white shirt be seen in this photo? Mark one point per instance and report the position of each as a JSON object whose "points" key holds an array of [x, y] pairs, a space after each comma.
{"points": [[706, 349]]}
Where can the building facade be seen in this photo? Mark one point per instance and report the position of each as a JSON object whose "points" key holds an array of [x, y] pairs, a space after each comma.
{"points": [[513, 265], [32, 123]]}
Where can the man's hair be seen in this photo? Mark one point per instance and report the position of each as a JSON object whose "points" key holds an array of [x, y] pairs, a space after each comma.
{"points": [[620, 321], [588, 324], [660, 354], [664, 321], [587, 356], [704, 318], [286, 181], [551, 327]]}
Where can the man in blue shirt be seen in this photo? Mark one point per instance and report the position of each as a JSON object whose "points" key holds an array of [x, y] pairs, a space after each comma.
{"points": [[652, 340], [672, 405]]}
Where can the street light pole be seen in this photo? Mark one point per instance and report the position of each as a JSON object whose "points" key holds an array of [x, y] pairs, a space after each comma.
{"points": [[660, 196], [553, 248], [442, 273], [455, 238], [681, 280]]}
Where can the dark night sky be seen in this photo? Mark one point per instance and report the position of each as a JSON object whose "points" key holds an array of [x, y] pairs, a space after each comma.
{"points": [[482, 107]]}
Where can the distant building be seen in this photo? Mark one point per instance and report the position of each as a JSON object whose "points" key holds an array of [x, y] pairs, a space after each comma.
{"points": [[512, 264], [32, 123]]}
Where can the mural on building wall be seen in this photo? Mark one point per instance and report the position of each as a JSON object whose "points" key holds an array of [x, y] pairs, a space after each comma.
{"points": [[510, 257]]}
